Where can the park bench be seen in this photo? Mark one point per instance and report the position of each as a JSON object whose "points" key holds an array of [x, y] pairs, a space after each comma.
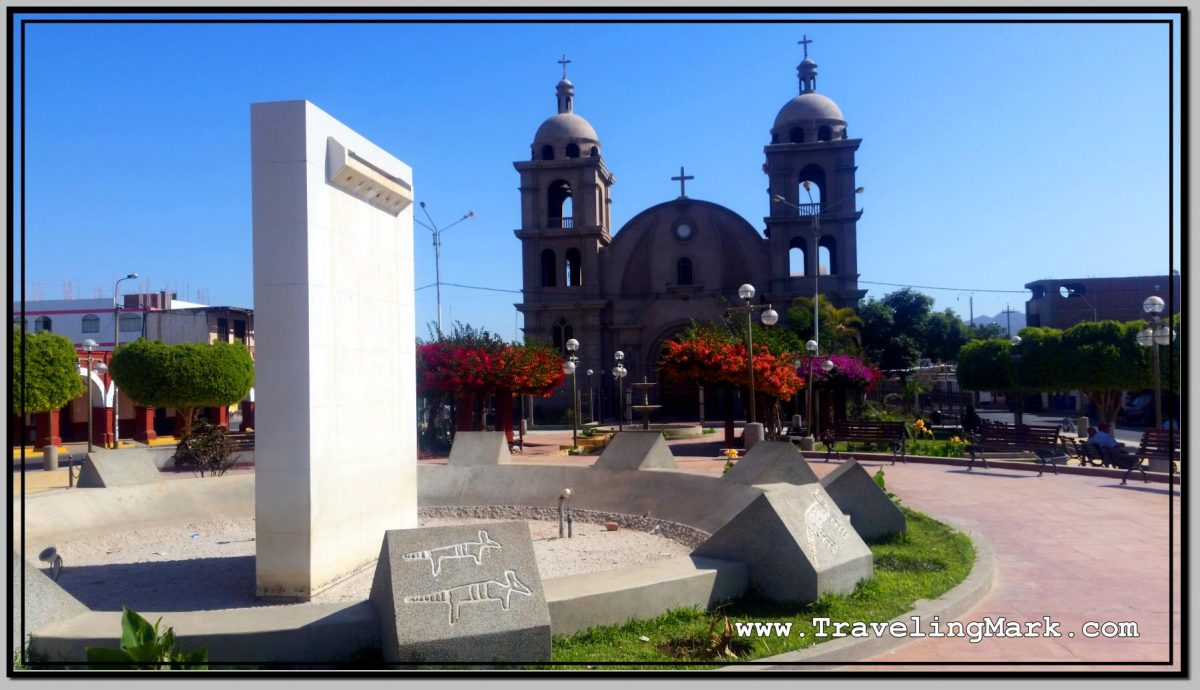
{"points": [[1043, 441], [891, 433], [1156, 444]]}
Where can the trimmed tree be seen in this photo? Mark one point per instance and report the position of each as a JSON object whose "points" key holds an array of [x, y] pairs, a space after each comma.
{"points": [[184, 376], [1104, 360], [986, 365], [50, 377]]}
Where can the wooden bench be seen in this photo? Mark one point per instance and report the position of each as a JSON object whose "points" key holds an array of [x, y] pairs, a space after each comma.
{"points": [[796, 433], [1156, 444], [1043, 441], [891, 433]]}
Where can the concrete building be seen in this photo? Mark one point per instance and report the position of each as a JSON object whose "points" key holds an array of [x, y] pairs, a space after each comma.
{"points": [[1064, 302], [685, 258], [155, 316]]}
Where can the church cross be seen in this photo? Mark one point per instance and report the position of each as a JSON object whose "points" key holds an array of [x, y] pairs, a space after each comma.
{"points": [[564, 62], [681, 179], [805, 43]]}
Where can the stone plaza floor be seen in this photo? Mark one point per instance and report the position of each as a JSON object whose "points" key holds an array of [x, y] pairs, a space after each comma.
{"points": [[1071, 547]]}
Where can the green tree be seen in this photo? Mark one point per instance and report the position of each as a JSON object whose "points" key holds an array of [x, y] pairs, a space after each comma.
{"points": [[887, 340], [1042, 365], [1104, 360], [50, 377], [942, 335], [838, 327], [184, 376], [986, 365]]}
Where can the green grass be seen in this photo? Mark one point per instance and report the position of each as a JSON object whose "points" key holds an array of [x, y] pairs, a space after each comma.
{"points": [[923, 564]]}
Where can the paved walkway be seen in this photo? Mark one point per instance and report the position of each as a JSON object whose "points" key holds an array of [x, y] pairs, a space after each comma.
{"points": [[1074, 548]]}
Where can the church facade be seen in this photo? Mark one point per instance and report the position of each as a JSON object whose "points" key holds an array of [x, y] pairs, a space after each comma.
{"points": [[683, 259]]}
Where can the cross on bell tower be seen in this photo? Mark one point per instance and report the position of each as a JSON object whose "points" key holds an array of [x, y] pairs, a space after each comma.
{"points": [[682, 179], [804, 43], [564, 62]]}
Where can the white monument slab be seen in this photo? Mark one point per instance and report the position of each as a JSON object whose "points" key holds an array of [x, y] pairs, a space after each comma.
{"points": [[335, 379]]}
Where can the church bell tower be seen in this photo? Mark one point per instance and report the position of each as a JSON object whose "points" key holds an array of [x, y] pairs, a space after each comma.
{"points": [[810, 166]]}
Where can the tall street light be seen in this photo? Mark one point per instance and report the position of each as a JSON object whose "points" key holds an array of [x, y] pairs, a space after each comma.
{"points": [[569, 367], [1016, 360], [619, 372], [116, 341], [437, 252], [89, 345], [769, 318], [591, 398], [815, 211], [811, 398], [1068, 292], [1157, 334]]}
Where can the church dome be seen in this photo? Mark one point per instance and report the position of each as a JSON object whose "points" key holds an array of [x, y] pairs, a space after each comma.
{"points": [[565, 135], [806, 107], [562, 127]]}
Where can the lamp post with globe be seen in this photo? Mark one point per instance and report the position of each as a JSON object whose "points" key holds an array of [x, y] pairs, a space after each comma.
{"points": [[569, 367], [1157, 334], [754, 430], [619, 372]]}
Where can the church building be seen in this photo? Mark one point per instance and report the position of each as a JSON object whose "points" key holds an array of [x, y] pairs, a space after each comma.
{"points": [[685, 258]]}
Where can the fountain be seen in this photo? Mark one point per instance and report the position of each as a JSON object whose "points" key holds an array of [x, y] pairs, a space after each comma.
{"points": [[645, 408]]}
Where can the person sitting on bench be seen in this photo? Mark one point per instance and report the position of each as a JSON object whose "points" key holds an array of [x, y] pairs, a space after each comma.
{"points": [[1103, 438]]}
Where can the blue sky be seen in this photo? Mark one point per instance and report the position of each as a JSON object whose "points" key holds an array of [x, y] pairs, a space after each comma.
{"points": [[992, 154]]}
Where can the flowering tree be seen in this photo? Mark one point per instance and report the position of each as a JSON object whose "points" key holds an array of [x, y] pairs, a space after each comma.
{"points": [[706, 355], [463, 369], [849, 375]]}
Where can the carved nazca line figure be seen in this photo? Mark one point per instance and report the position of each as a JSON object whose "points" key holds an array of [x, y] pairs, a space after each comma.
{"points": [[466, 549], [475, 592], [816, 519]]}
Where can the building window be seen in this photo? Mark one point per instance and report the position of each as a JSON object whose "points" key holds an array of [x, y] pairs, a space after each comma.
{"points": [[222, 330], [827, 256], [824, 133], [574, 277], [683, 271], [572, 150], [796, 257], [547, 152], [549, 279], [559, 206], [595, 153], [131, 323], [43, 323], [91, 323], [796, 135], [562, 333], [239, 331]]}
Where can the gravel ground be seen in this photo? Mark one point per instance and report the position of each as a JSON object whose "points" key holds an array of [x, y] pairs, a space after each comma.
{"points": [[210, 565]]}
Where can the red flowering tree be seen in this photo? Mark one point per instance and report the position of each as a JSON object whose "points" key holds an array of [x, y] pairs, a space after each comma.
{"points": [[462, 370], [706, 355]]}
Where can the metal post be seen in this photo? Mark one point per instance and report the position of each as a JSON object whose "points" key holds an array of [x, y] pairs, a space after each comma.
{"points": [[90, 411], [1157, 383], [812, 400], [574, 413], [116, 341], [750, 358]]}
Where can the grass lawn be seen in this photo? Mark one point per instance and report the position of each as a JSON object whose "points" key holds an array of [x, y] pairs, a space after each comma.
{"points": [[923, 564]]}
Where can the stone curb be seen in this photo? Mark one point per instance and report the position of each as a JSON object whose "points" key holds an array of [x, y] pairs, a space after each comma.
{"points": [[829, 655]]}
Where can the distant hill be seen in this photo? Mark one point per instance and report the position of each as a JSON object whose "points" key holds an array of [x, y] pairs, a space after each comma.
{"points": [[1002, 320]]}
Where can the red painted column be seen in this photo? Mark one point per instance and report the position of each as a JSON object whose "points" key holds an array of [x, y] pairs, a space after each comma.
{"points": [[219, 416], [464, 412], [102, 426], [247, 416], [47, 426], [504, 413], [143, 424]]}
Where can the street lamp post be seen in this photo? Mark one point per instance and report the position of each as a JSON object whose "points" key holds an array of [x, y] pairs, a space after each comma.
{"points": [[1154, 336], [1069, 292], [116, 341], [814, 344], [1019, 410], [769, 318], [619, 372], [437, 253], [569, 367], [89, 345], [591, 398]]}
